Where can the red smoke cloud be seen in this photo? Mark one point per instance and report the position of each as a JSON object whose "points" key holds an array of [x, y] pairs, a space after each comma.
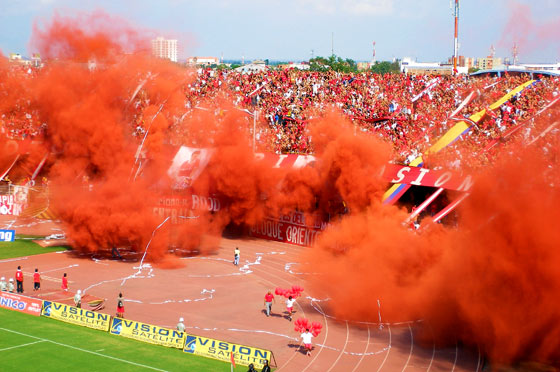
{"points": [[528, 33], [493, 282]]}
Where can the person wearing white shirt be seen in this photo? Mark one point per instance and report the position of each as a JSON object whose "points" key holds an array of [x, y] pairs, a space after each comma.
{"points": [[290, 307], [181, 325], [306, 339]]}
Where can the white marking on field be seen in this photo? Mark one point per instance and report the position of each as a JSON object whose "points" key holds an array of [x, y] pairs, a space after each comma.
{"points": [[204, 291], [60, 268], [85, 351], [15, 347], [14, 259]]}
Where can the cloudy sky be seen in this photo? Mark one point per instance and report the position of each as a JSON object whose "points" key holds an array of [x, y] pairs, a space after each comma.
{"points": [[293, 29]]}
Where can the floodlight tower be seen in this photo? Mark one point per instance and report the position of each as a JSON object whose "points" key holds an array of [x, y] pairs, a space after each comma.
{"points": [[373, 56], [492, 51], [456, 41]]}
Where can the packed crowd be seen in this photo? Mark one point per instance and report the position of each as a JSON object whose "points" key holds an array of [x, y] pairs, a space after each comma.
{"points": [[410, 112]]}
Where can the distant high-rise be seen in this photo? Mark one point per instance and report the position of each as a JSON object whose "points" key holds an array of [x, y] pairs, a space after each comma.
{"points": [[165, 48]]}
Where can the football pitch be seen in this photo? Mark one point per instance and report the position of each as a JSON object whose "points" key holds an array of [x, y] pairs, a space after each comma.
{"points": [[30, 343]]}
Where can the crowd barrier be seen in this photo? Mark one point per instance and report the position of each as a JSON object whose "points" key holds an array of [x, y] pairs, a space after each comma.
{"points": [[188, 343]]}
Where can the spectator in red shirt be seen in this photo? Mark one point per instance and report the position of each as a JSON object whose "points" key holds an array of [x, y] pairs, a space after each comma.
{"points": [[268, 298], [19, 280], [36, 280]]}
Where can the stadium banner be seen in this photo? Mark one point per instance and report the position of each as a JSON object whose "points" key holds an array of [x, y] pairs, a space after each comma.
{"points": [[10, 206], [75, 315], [185, 205], [7, 235], [147, 333], [291, 228], [284, 160], [398, 189], [19, 303], [427, 177], [222, 350]]}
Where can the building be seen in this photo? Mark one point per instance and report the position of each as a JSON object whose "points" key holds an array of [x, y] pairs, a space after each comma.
{"points": [[409, 66], [203, 61], [295, 65], [165, 48], [488, 63]]}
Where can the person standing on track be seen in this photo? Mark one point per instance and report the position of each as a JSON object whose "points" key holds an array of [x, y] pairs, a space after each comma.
{"points": [[64, 285], [236, 256], [290, 307], [78, 299], [19, 280], [11, 285], [181, 325], [120, 306], [268, 298], [3, 284], [36, 280]]}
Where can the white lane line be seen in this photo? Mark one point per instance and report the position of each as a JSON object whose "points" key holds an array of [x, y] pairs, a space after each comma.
{"points": [[15, 347], [478, 364], [456, 355], [388, 350], [343, 348], [411, 347], [84, 350], [365, 351]]}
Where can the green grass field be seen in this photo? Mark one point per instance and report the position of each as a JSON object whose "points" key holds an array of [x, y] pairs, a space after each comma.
{"points": [[24, 247], [29, 343]]}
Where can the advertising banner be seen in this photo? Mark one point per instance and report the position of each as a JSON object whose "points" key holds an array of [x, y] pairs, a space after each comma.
{"points": [[148, 333], [20, 303], [75, 315], [7, 235], [222, 350], [290, 228]]}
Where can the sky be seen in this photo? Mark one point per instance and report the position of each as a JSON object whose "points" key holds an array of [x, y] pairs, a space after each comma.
{"points": [[294, 30]]}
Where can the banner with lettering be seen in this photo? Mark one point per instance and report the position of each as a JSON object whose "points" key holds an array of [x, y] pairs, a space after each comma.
{"points": [[427, 177], [148, 333], [10, 206], [290, 228], [75, 315], [19, 303], [222, 350]]}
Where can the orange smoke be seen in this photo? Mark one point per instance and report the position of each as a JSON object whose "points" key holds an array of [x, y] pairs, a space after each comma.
{"points": [[493, 282]]}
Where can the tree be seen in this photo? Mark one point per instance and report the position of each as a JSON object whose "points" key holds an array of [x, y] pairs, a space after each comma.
{"points": [[333, 63], [386, 67]]}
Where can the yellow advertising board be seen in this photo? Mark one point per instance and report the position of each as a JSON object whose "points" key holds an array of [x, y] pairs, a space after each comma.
{"points": [[147, 333], [222, 350], [75, 315]]}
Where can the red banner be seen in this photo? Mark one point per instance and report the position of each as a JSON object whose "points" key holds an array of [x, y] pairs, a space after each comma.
{"points": [[185, 205], [9, 205], [20, 303], [427, 177], [290, 228]]}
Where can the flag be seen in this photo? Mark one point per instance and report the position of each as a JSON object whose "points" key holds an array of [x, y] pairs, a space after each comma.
{"points": [[232, 361]]}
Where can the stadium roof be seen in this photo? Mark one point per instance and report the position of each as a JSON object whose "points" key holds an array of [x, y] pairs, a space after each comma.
{"points": [[514, 71]]}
